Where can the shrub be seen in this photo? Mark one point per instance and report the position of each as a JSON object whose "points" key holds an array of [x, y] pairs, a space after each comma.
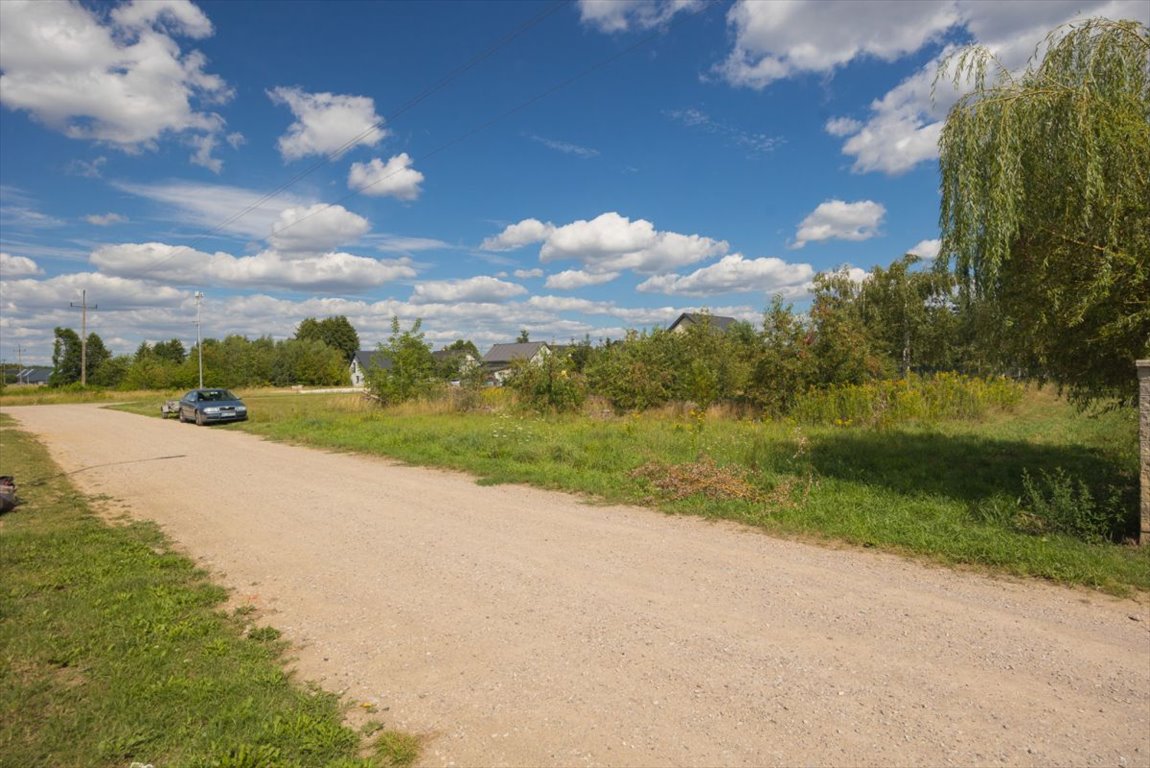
{"points": [[549, 385], [1059, 503]]}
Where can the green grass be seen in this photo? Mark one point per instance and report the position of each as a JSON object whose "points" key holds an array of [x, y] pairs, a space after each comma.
{"points": [[949, 492], [114, 649]]}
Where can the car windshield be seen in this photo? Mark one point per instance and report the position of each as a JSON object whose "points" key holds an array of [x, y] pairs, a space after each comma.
{"points": [[217, 395]]}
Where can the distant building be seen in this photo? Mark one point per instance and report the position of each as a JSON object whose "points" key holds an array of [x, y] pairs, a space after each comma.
{"points": [[364, 361], [687, 319], [500, 357], [36, 376]]}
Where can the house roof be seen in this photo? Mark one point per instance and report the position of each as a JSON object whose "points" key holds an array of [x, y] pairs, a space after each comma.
{"points": [[368, 358], [34, 375], [718, 322], [507, 353]]}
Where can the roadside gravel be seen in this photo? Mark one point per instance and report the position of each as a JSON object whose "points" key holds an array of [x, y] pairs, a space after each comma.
{"points": [[514, 626]]}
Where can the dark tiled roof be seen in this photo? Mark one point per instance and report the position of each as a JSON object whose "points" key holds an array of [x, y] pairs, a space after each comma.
{"points": [[369, 358], [718, 322], [506, 353]]}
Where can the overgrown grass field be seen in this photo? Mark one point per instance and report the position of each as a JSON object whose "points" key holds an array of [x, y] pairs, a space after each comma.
{"points": [[114, 650], [1035, 489]]}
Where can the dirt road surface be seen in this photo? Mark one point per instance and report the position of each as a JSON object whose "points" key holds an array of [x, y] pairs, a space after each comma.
{"points": [[520, 627]]}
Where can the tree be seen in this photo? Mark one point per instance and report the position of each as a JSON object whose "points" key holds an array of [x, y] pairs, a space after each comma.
{"points": [[410, 372], [523, 337], [65, 358], [337, 332], [1046, 205]]}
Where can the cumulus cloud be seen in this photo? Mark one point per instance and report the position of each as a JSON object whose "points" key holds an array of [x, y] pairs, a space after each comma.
{"points": [[903, 127], [316, 229], [736, 274], [395, 178], [105, 219], [926, 249], [327, 123], [481, 289], [17, 266], [524, 274], [402, 244], [838, 220], [613, 243], [576, 278], [622, 15], [842, 126], [179, 264], [124, 83], [518, 235], [23, 295], [778, 40]]}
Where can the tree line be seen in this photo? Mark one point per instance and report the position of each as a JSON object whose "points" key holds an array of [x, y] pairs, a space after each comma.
{"points": [[318, 355]]}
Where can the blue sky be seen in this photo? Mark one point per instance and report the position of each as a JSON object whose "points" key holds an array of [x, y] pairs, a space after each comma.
{"points": [[606, 165]]}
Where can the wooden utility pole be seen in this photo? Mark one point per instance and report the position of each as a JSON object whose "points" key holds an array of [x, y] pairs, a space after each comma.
{"points": [[83, 307]]}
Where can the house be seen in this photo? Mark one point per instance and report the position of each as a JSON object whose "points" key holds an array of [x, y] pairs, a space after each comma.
{"points": [[688, 319], [36, 376], [454, 363], [499, 358], [364, 361]]}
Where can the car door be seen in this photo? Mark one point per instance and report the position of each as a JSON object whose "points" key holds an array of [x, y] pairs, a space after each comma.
{"points": [[188, 406]]}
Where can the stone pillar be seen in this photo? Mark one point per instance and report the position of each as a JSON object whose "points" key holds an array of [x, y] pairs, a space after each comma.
{"points": [[1144, 444]]}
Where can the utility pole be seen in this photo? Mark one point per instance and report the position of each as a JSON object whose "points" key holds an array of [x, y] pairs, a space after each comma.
{"points": [[200, 336], [83, 306]]}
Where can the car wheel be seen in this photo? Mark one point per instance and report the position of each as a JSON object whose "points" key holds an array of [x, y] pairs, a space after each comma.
{"points": [[180, 416], [199, 418]]}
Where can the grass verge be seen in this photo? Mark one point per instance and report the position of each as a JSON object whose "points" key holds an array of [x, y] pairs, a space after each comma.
{"points": [[113, 649]]}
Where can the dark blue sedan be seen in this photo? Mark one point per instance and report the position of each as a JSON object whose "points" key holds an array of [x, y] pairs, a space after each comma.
{"points": [[207, 406]]}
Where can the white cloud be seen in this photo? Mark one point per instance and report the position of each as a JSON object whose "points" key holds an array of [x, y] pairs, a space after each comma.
{"points": [[613, 243], [565, 147], [316, 229], [401, 244], [395, 178], [212, 206], [87, 169], [774, 40], [576, 278], [735, 274], [904, 125], [105, 219], [179, 264], [327, 123], [17, 266], [57, 292], [752, 142], [124, 83], [478, 289], [842, 126], [517, 235], [838, 220], [926, 249], [524, 274], [622, 15]]}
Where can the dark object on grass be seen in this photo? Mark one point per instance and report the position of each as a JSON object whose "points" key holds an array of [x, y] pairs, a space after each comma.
{"points": [[8, 500]]}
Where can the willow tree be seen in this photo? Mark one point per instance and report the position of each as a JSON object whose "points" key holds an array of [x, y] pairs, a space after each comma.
{"points": [[1046, 204]]}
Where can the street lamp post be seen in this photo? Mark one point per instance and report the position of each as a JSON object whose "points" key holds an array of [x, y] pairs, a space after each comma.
{"points": [[200, 336]]}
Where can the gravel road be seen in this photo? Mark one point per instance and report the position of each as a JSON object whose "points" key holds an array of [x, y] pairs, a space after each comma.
{"points": [[514, 626]]}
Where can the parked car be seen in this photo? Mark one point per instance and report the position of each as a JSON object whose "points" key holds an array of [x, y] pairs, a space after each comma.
{"points": [[205, 406]]}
